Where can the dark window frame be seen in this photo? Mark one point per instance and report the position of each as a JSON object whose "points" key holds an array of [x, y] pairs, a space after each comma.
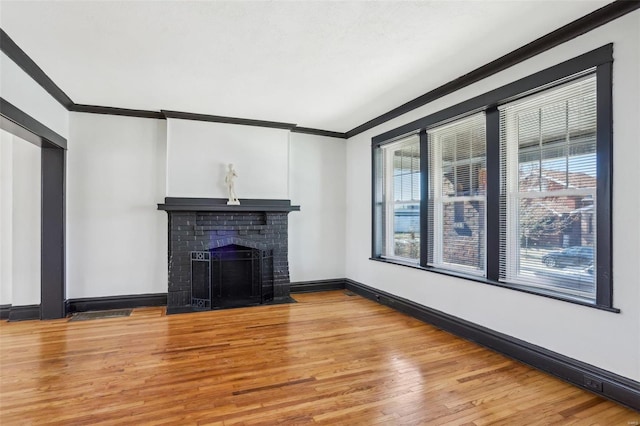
{"points": [[600, 59]]}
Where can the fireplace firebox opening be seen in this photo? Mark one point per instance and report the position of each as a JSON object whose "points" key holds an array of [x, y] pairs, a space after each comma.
{"points": [[231, 276]]}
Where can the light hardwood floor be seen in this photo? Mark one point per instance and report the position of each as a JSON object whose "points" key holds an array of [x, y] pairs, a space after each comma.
{"points": [[329, 359]]}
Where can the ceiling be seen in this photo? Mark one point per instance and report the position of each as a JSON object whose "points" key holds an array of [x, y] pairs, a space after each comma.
{"points": [[329, 65]]}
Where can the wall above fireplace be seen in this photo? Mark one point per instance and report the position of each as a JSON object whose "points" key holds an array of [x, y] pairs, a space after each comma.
{"points": [[206, 224]]}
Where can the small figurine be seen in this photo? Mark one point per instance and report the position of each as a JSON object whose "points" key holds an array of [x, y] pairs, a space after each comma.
{"points": [[228, 179]]}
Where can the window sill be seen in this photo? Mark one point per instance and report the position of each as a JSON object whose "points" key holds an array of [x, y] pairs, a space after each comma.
{"points": [[482, 280]]}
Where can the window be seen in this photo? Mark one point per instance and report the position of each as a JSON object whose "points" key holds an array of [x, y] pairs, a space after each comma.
{"points": [[400, 199], [510, 188], [457, 188], [548, 197]]}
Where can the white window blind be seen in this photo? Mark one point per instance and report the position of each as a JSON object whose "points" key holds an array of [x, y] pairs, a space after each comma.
{"points": [[457, 187], [548, 189], [401, 198]]}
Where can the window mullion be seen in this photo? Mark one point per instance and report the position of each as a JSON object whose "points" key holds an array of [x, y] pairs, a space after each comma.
{"points": [[424, 197], [492, 207], [436, 163]]}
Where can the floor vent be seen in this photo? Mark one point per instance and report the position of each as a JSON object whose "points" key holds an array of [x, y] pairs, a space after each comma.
{"points": [[86, 316]]}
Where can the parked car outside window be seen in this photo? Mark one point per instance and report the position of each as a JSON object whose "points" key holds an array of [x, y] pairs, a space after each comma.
{"points": [[571, 256]]}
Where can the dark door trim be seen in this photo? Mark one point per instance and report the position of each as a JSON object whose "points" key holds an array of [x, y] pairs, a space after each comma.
{"points": [[53, 158]]}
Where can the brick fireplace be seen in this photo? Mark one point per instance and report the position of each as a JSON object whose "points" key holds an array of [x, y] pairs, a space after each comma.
{"points": [[204, 231]]}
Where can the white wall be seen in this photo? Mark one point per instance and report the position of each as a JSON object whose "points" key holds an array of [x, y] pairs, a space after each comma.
{"points": [[20, 222], [271, 164], [317, 231], [116, 237], [6, 217], [607, 340], [24, 93], [198, 154]]}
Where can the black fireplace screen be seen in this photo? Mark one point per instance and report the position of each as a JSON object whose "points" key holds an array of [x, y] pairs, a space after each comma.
{"points": [[231, 276], [201, 279]]}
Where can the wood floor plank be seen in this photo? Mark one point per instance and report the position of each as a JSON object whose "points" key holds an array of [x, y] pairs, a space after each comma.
{"points": [[328, 359]]}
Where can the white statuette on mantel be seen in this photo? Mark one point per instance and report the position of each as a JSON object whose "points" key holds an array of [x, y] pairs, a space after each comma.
{"points": [[229, 181]]}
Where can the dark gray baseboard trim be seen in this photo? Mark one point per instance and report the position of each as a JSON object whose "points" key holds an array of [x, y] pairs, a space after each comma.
{"points": [[318, 285], [115, 302], [601, 382], [4, 312], [23, 313]]}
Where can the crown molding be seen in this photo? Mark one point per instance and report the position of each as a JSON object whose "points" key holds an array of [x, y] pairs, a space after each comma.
{"points": [[20, 58], [319, 132], [555, 38], [96, 109], [228, 120], [563, 34], [164, 114]]}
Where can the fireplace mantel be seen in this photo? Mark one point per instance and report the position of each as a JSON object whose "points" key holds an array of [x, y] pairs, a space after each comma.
{"points": [[220, 205]]}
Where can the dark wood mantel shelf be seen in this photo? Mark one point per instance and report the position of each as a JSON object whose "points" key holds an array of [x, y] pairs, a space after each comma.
{"points": [[220, 205]]}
